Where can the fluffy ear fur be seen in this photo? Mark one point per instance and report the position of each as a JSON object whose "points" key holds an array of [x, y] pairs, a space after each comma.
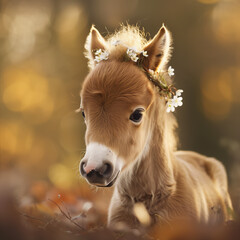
{"points": [[159, 50], [94, 41]]}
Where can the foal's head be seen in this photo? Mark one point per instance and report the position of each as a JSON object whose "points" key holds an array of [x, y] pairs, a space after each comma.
{"points": [[116, 102]]}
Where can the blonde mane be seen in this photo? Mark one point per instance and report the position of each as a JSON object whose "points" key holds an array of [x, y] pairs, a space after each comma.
{"points": [[132, 36]]}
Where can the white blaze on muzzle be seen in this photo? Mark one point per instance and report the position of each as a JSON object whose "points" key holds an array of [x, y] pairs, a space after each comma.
{"points": [[97, 158]]}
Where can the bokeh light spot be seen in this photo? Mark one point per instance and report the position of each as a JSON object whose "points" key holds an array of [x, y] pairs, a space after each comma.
{"points": [[61, 176], [219, 92], [23, 23], [225, 21], [28, 92], [71, 19], [15, 138]]}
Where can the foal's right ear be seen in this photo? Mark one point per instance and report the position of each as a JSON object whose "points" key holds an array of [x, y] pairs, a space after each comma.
{"points": [[94, 42], [158, 50]]}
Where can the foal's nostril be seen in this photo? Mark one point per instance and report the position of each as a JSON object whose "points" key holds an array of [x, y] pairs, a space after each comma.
{"points": [[106, 170], [82, 171]]}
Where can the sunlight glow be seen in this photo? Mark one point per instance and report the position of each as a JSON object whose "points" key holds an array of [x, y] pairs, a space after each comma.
{"points": [[141, 213]]}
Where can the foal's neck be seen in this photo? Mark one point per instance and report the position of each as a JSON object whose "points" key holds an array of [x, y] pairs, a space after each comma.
{"points": [[157, 162]]}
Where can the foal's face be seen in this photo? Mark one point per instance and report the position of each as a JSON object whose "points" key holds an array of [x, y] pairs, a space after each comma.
{"points": [[115, 102]]}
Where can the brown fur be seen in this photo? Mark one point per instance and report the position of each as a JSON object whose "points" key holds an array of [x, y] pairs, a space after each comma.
{"points": [[172, 185]]}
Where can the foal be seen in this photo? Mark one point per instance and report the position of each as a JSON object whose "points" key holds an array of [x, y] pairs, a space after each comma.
{"points": [[125, 100]]}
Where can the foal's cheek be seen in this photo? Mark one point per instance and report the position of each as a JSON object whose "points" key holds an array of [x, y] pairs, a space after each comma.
{"points": [[131, 141], [133, 144]]}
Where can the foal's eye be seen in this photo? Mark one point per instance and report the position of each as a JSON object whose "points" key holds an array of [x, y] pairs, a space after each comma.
{"points": [[136, 116], [83, 114]]}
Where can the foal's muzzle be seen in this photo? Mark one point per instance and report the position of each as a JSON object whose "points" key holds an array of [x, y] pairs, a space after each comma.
{"points": [[100, 165]]}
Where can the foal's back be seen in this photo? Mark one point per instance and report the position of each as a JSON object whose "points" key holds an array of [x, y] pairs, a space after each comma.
{"points": [[202, 187]]}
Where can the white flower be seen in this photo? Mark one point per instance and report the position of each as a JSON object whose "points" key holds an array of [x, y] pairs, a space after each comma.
{"points": [[129, 51], [155, 74], [179, 92], [101, 55], [173, 103], [134, 58], [151, 72], [177, 101], [170, 71], [144, 53], [98, 52], [170, 106], [104, 55], [97, 59], [132, 53]]}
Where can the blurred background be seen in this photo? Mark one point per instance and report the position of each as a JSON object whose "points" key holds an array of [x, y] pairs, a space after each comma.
{"points": [[42, 67]]}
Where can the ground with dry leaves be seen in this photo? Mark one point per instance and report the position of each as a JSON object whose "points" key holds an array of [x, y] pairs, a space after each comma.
{"points": [[37, 210]]}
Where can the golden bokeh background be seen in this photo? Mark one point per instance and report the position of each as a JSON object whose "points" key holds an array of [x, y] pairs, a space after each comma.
{"points": [[42, 67]]}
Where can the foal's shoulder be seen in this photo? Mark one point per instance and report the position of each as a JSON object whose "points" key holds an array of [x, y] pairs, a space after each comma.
{"points": [[190, 158], [193, 157]]}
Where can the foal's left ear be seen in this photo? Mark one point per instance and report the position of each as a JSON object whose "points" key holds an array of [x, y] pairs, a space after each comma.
{"points": [[158, 50], [94, 42]]}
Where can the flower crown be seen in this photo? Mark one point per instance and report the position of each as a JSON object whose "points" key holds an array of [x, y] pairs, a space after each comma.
{"points": [[169, 92]]}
